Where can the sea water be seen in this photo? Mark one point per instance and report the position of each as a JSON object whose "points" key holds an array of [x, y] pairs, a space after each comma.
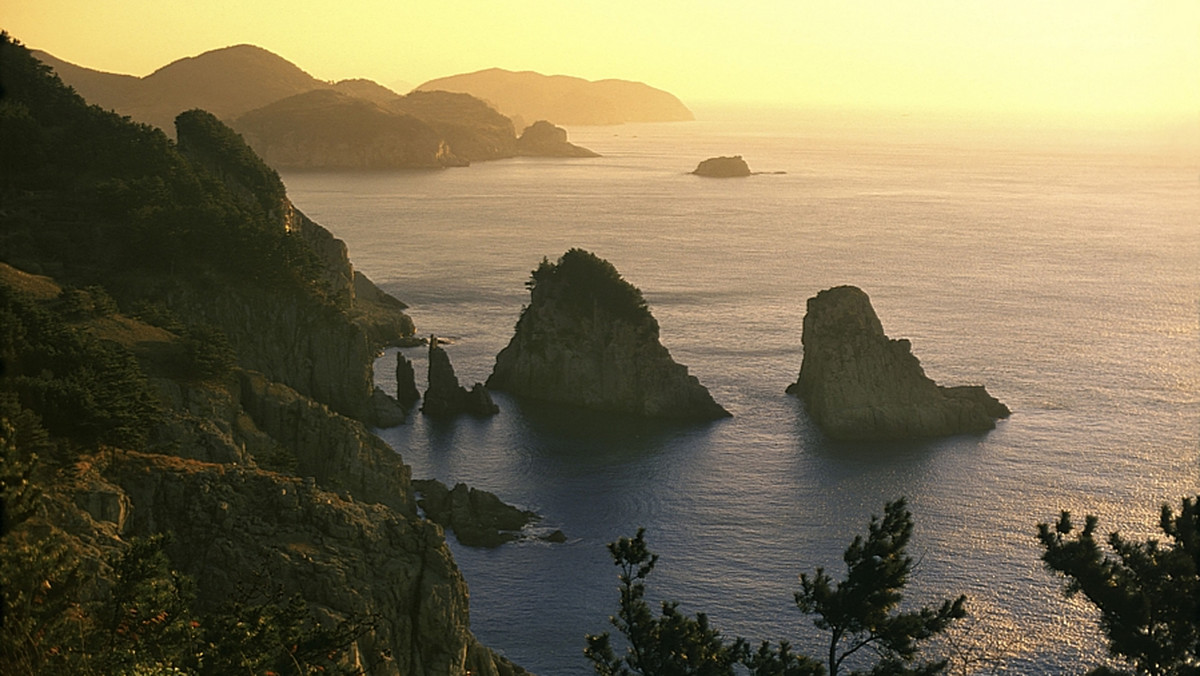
{"points": [[1061, 274]]}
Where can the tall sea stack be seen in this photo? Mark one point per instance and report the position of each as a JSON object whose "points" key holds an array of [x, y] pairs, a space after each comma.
{"points": [[859, 384], [588, 339]]}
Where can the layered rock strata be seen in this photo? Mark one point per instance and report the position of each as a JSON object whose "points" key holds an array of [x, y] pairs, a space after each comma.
{"points": [[588, 339], [445, 397], [858, 384]]}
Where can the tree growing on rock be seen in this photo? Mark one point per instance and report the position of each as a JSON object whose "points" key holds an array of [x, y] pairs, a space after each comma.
{"points": [[1148, 594]]}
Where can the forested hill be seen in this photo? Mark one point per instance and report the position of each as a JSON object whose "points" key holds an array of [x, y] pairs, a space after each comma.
{"points": [[186, 360]]}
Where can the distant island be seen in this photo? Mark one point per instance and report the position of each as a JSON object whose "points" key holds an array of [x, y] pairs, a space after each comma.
{"points": [[723, 167], [295, 121], [562, 99]]}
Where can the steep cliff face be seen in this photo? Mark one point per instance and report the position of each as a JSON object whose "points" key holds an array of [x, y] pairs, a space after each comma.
{"points": [[859, 384], [588, 339]]}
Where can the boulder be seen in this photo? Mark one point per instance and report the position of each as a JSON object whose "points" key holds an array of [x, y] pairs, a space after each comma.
{"points": [[858, 384], [723, 167], [588, 339], [542, 139], [445, 397]]}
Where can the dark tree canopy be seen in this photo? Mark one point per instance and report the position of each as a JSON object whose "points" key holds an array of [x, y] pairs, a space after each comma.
{"points": [[861, 611], [1148, 593]]}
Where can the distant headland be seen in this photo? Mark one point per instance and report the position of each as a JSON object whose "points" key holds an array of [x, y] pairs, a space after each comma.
{"points": [[295, 121]]}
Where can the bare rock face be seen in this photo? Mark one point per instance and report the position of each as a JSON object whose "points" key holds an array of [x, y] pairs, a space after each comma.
{"points": [[723, 167], [859, 384], [445, 397], [588, 339]]}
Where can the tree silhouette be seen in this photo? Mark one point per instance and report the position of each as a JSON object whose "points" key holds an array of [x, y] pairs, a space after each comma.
{"points": [[860, 611], [1148, 594]]}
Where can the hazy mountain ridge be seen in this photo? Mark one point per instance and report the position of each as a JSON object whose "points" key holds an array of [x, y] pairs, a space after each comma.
{"points": [[350, 124], [562, 99]]}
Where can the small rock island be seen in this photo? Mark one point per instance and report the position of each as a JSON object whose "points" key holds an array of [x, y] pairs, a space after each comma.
{"points": [[723, 167], [858, 384], [543, 139], [588, 339]]}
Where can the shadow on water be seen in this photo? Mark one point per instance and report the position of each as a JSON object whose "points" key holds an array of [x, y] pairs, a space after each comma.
{"points": [[569, 433]]}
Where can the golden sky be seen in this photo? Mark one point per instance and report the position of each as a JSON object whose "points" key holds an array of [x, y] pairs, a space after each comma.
{"points": [[1062, 58]]}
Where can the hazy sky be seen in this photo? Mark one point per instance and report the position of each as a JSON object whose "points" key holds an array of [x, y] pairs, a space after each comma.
{"points": [[1079, 58]]}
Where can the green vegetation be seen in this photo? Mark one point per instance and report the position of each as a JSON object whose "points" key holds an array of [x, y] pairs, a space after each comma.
{"points": [[1148, 594], [669, 645], [859, 612], [84, 389], [587, 282], [90, 196]]}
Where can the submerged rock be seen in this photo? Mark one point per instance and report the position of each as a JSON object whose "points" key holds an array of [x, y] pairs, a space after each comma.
{"points": [[588, 339], [723, 167], [859, 384], [445, 397]]}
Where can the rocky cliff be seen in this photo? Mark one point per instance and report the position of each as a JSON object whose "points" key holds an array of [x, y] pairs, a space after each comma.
{"points": [[588, 339], [858, 384], [196, 381]]}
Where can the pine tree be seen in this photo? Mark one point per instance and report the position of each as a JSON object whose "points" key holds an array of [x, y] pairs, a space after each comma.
{"points": [[1148, 594], [861, 611]]}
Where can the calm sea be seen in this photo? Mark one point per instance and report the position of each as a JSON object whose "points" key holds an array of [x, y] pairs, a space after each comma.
{"points": [[1062, 276]]}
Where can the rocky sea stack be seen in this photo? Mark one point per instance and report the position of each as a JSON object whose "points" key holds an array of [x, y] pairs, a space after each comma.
{"points": [[445, 397], [858, 384], [588, 339], [723, 167]]}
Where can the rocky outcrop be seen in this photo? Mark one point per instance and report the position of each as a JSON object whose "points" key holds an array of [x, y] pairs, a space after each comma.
{"points": [[858, 384], [588, 339], [346, 557], [723, 167], [478, 518], [406, 382], [445, 397], [542, 139]]}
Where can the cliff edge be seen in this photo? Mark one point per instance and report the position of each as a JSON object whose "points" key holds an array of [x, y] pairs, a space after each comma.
{"points": [[858, 384], [588, 339]]}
